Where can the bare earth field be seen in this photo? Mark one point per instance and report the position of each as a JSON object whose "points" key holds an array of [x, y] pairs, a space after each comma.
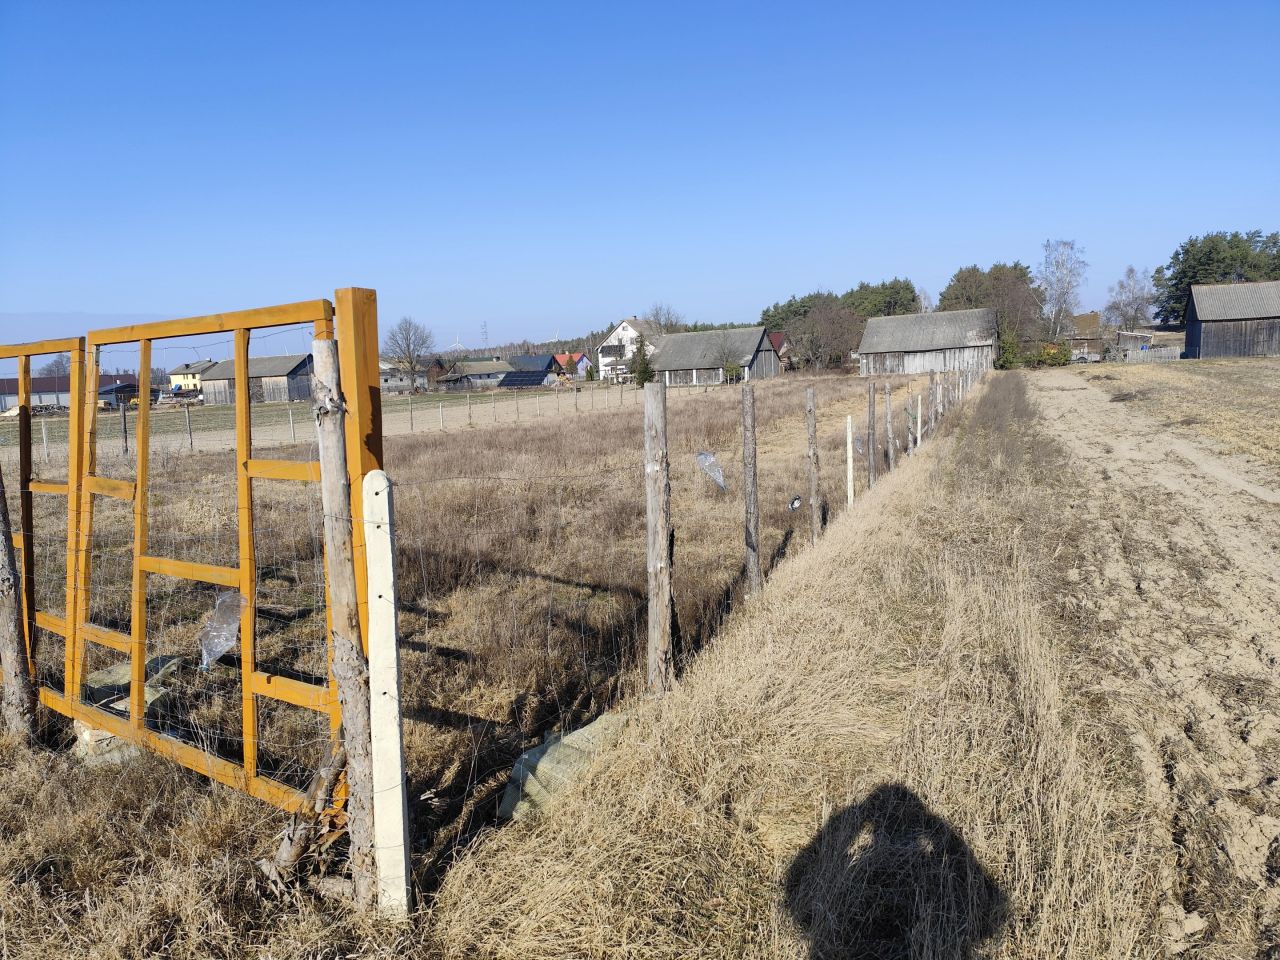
{"points": [[1183, 573], [1018, 702]]}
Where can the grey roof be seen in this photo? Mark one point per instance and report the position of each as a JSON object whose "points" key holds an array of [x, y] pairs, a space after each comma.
{"points": [[708, 348], [1237, 301], [920, 332], [258, 367], [194, 367], [536, 361], [479, 368]]}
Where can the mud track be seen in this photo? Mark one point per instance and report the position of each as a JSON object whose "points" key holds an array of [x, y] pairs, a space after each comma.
{"points": [[1181, 578]]}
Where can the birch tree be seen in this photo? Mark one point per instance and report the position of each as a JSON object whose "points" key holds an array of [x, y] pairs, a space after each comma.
{"points": [[1061, 275]]}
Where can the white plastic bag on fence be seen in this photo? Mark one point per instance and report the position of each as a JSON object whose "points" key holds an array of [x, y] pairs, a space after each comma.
{"points": [[222, 629]]}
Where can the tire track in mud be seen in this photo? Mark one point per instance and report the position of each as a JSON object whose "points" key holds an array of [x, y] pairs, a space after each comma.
{"points": [[1182, 574]]}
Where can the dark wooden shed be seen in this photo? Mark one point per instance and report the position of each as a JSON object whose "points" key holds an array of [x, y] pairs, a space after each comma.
{"points": [[1233, 320]]}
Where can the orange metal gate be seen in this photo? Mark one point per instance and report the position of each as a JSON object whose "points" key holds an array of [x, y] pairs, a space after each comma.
{"points": [[354, 324]]}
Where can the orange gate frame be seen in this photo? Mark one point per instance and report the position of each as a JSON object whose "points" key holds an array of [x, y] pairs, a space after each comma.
{"points": [[355, 325]]}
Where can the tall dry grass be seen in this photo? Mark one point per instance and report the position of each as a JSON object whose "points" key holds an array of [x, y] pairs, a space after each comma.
{"points": [[894, 751]]}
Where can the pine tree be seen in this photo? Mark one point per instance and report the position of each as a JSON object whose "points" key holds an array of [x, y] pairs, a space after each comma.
{"points": [[641, 365]]}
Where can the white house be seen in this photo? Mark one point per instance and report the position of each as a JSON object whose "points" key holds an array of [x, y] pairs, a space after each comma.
{"points": [[616, 350]]}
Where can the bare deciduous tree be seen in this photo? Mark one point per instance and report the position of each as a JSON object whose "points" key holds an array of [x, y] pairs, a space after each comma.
{"points": [[58, 366], [1060, 276], [667, 317], [406, 346], [1131, 300]]}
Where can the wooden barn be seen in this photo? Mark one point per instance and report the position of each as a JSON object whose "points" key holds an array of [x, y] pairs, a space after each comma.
{"points": [[923, 342], [705, 357], [1233, 320], [271, 380]]}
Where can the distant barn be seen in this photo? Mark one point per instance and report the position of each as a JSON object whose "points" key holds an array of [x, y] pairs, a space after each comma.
{"points": [[922, 342], [709, 356], [1233, 320], [271, 380]]}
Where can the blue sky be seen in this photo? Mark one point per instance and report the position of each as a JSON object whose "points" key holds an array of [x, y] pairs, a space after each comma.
{"points": [[554, 167]]}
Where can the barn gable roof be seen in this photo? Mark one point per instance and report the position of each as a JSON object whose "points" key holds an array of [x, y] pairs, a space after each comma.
{"points": [[479, 368], [707, 349], [194, 367], [534, 361], [258, 367], [919, 332], [1236, 301]]}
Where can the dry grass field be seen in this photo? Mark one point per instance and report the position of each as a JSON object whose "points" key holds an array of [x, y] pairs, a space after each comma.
{"points": [[1230, 406], [1018, 702]]}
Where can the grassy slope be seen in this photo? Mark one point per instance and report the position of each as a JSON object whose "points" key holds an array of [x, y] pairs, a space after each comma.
{"points": [[912, 673], [905, 689]]}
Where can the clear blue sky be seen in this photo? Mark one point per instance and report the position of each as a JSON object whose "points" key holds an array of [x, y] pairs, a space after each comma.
{"points": [[551, 166]]}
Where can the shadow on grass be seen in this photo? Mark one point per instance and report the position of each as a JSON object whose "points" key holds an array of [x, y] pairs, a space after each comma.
{"points": [[887, 878]]}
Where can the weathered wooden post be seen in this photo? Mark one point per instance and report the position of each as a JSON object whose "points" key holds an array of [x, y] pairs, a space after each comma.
{"points": [[815, 504], [919, 420], [350, 669], [411, 411], [751, 494], [124, 424], [871, 434], [890, 442], [18, 698], [848, 460], [390, 800], [494, 407], [657, 473], [469, 423], [44, 438], [440, 406], [933, 401]]}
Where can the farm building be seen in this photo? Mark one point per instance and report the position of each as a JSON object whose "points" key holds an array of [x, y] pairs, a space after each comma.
{"points": [[617, 348], [1233, 320], [923, 342], [526, 379], [1086, 338], [185, 378], [540, 362], [474, 374], [271, 380], [782, 347], [392, 379], [575, 365], [55, 391], [689, 359]]}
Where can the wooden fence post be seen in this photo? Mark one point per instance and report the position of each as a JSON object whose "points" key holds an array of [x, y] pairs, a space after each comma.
{"points": [[871, 434], [44, 438], [919, 420], [411, 411], [440, 405], [751, 494], [657, 474], [889, 440], [124, 424], [350, 669], [18, 698], [848, 460], [815, 505], [469, 410], [390, 800], [933, 402]]}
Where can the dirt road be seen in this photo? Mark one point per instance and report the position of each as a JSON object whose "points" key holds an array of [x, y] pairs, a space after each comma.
{"points": [[1184, 575]]}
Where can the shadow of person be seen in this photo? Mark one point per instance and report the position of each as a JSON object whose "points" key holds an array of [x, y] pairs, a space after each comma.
{"points": [[887, 878]]}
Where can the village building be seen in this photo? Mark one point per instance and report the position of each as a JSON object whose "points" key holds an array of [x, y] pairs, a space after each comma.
{"points": [[527, 379], [185, 378], [1233, 320], [1086, 339], [474, 374], [55, 391], [574, 365], [271, 380], [782, 347], [615, 351], [712, 356], [535, 363], [925, 342]]}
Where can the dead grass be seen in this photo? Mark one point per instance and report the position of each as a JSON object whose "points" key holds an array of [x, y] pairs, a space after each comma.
{"points": [[1234, 405], [893, 750]]}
